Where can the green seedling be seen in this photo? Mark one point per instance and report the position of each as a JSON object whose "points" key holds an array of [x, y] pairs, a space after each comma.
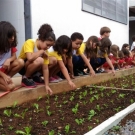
{"points": [[131, 101], [51, 132], [67, 128], [113, 91], [92, 99], [56, 98], [75, 109], [98, 107], [90, 127], [116, 128], [44, 123], [85, 93], [96, 96], [26, 132], [91, 114], [71, 98], [39, 98], [7, 113], [121, 95], [15, 104], [79, 121], [49, 113], [10, 128]]}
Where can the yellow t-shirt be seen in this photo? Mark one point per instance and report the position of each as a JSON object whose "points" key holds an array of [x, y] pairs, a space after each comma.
{"points": [[30, 46], [53, 53], [81, 49]]}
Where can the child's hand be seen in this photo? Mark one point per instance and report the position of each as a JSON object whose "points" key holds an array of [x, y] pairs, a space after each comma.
{"points": [[6, 64], [45, 55], [48, 90], [113, 72], [72, 76], [7, 79], [72, 85], [92, 73]]}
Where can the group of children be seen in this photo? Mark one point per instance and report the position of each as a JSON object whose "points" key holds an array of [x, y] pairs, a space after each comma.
{"points": [[47, 60]]}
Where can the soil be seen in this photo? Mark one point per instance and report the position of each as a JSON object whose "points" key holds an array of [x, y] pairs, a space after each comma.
{"points": [[92, 107]]}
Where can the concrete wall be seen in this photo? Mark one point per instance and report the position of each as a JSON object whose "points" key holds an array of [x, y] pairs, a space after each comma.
{"points": [[13, 11], [66, 17]]}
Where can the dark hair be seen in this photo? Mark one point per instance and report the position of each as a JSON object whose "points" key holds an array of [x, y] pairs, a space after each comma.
{"points": [[7, 31], [133, 37], [114, 49], [63, 42], [125, 45], [76, 35], [105, 42], [45, 32], [104, 30], [133, 50], [126, 52], [120, 54], [89, 51]]}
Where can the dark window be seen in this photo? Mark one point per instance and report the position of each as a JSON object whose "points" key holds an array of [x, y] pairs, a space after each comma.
{"points": [[112, 9]]}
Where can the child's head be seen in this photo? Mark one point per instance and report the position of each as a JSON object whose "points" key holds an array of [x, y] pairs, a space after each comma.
{"points": [[120, 54], [63, 45], [105, 32], [91, 46], [114, 49], [77, 39], [133, 38], [46, 36], [126, 46], [126, 52], [7, 36], [105, 45], [133, 52]]}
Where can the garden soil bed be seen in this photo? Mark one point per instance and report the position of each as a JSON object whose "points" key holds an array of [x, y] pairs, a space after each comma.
{"points": [[74, 112]]}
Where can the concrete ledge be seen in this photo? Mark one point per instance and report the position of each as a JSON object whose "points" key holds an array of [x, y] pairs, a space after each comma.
{"points": [[23, 95], [112, 121]]}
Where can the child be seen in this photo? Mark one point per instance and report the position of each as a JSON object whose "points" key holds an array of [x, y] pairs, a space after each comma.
{"points": [[34, 54], [133, 44], [100, 55], [126, 46], [62, 47], [121, 61], [9, 64], [113, 56], [104, 32], [80, 60], [127, 57]]}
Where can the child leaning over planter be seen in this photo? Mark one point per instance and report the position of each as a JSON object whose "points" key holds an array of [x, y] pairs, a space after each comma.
{"points": [[9, 64], [61, 49], [35, 55], [80, 61], [99, 54]]}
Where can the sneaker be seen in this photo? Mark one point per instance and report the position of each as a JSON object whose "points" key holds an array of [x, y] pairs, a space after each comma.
{"points": [[38, 80], [57, 78], [28, 82], [53, 80]]}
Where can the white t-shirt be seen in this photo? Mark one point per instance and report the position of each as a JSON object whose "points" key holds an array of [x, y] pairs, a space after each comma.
{"points": [[133, 46]]}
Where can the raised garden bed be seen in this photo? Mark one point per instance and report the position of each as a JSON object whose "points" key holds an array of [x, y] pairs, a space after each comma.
{"points": [[74, 112]]}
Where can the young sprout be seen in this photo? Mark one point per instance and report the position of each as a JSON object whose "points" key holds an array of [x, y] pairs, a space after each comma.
{"points": [[79, 121], [67, 128], [7, 113], [39, 98], [15, 104], [51, 132], [1, 123], [26, 132], [44, 123]]}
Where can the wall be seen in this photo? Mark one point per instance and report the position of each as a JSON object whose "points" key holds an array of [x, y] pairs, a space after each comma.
{"points": [[66, 17], [13, 11]]}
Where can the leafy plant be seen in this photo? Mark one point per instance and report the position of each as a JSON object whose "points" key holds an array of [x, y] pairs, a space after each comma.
{"points": [[67, 128], [7, 112], [79, 121], [26, 132], [51, 132], [113, 91], [92, 99], [10, 128], [49, 113], [121, 95], [44, 123], [39, 98], [91, 114], [1, 123], [98, 107], [131, 101], [15, 104], [75, 109]]}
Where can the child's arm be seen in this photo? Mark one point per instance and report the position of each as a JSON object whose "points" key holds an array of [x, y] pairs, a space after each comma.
{"points": [[87, 62], [70, 66], [46, 79], [8, 61], [34, 55], [110, 64], [65, 73]]}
